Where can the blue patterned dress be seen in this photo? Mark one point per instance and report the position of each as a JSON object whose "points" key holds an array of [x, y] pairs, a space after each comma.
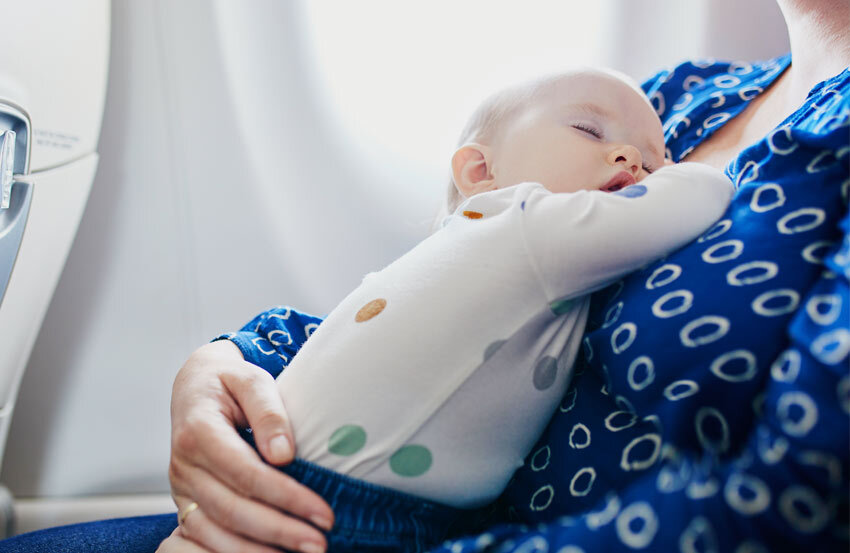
{"points": [[710, 411]]}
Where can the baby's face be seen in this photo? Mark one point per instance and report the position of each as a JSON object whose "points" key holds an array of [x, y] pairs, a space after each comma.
{"points": [[589, 131]]}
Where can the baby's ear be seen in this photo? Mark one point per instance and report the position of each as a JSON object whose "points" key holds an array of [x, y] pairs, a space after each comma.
{"points": [[471, 169]]}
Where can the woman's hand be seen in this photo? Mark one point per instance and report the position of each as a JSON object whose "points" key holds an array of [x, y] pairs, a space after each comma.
{"points": [[244, 504], [176, 543]]}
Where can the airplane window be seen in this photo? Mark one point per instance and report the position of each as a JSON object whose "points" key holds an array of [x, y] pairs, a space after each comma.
{"points": [[400, 79]]}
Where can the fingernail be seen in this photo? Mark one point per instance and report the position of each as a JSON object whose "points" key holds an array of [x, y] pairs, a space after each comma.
{"points": [[321, 522], [280, 448], [310, 547]]}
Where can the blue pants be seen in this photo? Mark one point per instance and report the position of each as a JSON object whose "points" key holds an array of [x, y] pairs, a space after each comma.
{"points": [[120, 535], [374, 519], [368, 519]]}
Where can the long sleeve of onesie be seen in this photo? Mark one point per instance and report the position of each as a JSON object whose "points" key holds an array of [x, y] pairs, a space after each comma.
{"points": [[583, 241]]}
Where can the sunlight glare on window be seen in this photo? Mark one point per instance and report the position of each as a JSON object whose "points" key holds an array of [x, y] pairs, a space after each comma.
{"points": [[400, 78]]}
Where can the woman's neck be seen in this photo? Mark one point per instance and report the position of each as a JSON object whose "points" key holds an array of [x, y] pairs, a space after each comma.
{"points": [[819, 31]]}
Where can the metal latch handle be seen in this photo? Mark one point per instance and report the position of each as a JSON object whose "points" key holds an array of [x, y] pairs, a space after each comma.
{"points": [[7, 167]]}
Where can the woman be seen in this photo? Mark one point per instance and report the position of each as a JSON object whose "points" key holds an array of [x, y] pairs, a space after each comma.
{"points": [[748, 328], [722, 426]]}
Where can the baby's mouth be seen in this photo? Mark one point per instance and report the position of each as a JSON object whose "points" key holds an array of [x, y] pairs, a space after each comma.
{"points": [[618, 182]]}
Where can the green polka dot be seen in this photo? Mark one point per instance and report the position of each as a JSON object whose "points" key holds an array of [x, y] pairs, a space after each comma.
{"points": [[411, 460], [347, 440], [559, 307]]}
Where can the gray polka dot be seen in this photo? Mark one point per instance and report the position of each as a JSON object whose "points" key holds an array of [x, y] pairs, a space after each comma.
{"points": [[492, 348], [545, 372]]}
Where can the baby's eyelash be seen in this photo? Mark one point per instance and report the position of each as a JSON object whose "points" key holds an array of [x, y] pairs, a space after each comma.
{"points": [[588, 130], [592, 131]]}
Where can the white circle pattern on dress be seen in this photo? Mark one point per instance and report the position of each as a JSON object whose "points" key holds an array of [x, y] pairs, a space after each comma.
{"points": [[803, 509], [690, 338], [704, 416], [681, 389], [540, 459], [613, 314], [719, 228], [644, 365], [613, 426], [619, 345], [629, 463], [815, 308], [832, 346], [718, 366], [641, 512], [684, 298], [284, 340], [662, 276], [804, 416], [808, 252], [586, 474], [790, 224], [726, 81], [728, 249], [701, 490], [782, 150], [542, 498], [774, 197], [755, 501], [749, 173], [787, 366], [699, 537], [579, 436], [768, 270], [788, 300], [770, 450], [749, 92], [599, 518]]}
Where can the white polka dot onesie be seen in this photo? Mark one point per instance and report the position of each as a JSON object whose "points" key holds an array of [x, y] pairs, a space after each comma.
{"points": [[438, 373]]}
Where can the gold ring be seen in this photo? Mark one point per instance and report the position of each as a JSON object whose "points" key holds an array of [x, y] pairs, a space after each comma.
{"points": [[181, 516]]}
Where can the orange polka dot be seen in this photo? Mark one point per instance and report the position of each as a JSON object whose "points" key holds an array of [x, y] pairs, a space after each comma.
{"points": [[370, 310], [473, 214]]}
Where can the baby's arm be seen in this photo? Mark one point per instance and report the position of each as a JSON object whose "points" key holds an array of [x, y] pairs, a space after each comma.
{"points": [[583, 241]]}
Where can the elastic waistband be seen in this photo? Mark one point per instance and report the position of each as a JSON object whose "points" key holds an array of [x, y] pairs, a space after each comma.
{"points": [[363, 510], [369, 513]]}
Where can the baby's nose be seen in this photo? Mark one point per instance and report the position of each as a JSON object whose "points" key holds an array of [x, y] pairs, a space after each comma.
{"points": [[627, 155]]}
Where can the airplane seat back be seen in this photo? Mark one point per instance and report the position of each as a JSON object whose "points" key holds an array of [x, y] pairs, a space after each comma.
{"points": [[53, 66]]}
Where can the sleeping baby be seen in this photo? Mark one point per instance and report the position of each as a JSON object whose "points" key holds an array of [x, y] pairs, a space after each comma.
{"points": [[425, 388]]}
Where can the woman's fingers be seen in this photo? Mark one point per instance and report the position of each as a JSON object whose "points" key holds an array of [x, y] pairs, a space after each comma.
{"points": [[260, 401], [240, 496], [197, 527], [252, 519], [176, 543], [216, 449]]}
